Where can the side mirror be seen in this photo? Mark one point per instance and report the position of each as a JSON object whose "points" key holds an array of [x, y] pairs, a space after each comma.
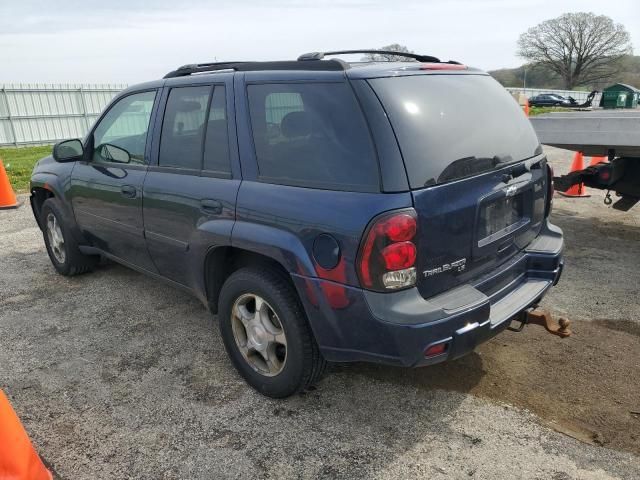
{"points": [[68, 151], [111, 153]]}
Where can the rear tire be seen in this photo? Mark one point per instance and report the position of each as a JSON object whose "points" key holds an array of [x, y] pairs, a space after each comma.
{"points": [[62, 247], [266, 333]]}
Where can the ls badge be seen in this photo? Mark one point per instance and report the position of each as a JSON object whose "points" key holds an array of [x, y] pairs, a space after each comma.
{"points": [[458, 266]]}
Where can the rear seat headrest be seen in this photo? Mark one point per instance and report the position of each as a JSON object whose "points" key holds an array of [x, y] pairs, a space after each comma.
{"points": [[296, 124]]}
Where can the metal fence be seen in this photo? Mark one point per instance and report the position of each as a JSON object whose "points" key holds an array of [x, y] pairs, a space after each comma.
{"points": [[38, 114], [580, 96]]}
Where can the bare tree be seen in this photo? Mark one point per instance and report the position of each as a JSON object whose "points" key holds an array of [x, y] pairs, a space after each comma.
{"points": [[582, 48], [385, 57]]}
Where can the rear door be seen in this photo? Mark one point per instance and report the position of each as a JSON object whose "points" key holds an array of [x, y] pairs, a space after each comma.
{"points": [[475, 168], [190, 190]]}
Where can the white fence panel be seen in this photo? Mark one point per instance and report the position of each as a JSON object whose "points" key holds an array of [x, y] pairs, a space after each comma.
{"points": [[32, 114]]}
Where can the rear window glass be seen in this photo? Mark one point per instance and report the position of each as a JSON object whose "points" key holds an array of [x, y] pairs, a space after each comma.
{"points": [[216, 146], [183, 127], [453, 126], [313, 135]]}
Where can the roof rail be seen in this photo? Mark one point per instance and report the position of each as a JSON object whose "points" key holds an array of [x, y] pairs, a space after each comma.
{"points": [[415, 56], [186, 70]]}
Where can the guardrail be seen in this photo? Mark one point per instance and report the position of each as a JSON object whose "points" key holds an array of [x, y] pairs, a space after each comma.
{"points": [[38, 114]]}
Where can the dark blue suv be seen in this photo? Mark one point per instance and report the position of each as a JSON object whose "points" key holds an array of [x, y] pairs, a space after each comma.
{"points": [[384, 212]]}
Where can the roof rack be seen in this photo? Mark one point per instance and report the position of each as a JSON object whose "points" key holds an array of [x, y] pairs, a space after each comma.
{"points": [[186, 70], [415, 56]]}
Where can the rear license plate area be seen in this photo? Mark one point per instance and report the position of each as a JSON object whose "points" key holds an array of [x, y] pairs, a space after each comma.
{"points": [[499, 218]]}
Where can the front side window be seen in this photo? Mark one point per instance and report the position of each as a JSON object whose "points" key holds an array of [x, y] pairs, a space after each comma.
{"points": [[312, 135], [121, 135]]}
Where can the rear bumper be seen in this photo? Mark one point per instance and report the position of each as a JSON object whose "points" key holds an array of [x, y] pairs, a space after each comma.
{"points": [[351, 324]]}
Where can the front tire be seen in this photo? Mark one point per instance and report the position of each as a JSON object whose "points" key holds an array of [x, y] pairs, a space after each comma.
{"points": [[266, 333], [62, 247]]}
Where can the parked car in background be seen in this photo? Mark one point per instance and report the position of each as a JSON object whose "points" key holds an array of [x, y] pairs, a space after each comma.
{"points": [[325, 211], [550, 100]]}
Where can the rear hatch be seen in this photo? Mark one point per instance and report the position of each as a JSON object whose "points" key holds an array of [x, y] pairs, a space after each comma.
{"points": [[476, 171]]}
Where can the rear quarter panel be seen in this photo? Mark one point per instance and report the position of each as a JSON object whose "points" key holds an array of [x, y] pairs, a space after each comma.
{"points": [[283, 222]]}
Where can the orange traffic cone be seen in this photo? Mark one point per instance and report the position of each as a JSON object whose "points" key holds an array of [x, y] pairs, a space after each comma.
{"points": [[525, 107], [7, 197], [597, 160], [578, 190], [18, 459]]}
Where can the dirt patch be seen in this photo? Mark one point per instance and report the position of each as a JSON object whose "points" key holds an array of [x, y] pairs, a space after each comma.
{"points": [[586, 386]]}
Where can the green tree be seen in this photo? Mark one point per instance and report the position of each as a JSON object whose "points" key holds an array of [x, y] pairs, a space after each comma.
{"points": [[581, 48], [387, 57]]}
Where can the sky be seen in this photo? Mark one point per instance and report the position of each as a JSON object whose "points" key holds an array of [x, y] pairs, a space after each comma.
{"points": [[130, 41]]}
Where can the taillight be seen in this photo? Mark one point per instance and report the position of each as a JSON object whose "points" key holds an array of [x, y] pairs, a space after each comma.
{"points": [[550, 191], [388, 253]]}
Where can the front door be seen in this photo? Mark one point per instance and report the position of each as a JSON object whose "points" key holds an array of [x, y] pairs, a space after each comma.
{"points": [[106, 188]]}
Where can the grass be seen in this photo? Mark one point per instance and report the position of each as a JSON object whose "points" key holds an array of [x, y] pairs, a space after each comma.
{"points": [[540, 110], [19, 162]]}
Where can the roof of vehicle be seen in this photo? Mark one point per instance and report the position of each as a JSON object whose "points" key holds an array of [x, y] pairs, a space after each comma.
{"points": [[315, 62]]}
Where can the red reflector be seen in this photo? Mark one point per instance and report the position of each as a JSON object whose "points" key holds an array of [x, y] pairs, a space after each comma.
{"points": [[434, 350], [605, 175], [442, 66], [398, 256]]}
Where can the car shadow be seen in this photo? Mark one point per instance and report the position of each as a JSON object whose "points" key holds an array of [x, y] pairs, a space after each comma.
{"points": [[459, 375]]}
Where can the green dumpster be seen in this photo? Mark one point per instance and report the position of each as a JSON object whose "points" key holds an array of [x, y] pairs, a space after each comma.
{"points": [[620, 95]]}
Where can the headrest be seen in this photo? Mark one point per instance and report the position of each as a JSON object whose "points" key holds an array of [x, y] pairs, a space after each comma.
{"points": [[296, 124]]}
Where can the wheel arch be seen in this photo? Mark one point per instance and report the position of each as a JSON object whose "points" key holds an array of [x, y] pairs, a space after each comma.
{"points": [[49, 185], [220, 262], [38, 196]]}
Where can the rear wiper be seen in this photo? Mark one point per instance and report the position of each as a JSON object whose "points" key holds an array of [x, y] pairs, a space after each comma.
{"points": [[502, 159], [469, 166]]}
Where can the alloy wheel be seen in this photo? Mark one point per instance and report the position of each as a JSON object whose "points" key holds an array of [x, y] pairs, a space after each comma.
{"points": [[259, 335], [56, 238]]}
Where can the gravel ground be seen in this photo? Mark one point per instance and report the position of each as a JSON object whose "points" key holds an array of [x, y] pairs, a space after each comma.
{"points": [[119, 376]]}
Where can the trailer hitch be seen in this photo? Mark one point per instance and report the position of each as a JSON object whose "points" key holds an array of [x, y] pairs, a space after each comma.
{"points": [[536, 316]]}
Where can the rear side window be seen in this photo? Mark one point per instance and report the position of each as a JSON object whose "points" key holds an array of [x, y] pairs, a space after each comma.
{"points": [[216, 147], [183, 127], [454, 126], [312, 135], [194, 130]]}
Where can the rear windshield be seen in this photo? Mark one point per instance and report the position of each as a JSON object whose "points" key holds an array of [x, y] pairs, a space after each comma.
{"points": [[453, 126]]}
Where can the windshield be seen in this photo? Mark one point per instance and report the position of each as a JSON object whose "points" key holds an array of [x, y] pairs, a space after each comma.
{"points": [[453, 126]]}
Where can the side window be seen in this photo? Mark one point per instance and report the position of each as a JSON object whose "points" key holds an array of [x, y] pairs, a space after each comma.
{"points": [[183, 127], [277, 106], [313, 135], [121, 135], [216, 144]]}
